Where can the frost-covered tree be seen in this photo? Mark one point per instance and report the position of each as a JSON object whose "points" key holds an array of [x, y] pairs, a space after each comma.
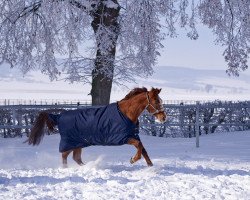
{"points": [[230, 22], [126, 36]]}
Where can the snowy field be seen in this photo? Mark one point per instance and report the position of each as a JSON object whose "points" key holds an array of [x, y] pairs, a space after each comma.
{"points": [[192, 84], [219, 169]]}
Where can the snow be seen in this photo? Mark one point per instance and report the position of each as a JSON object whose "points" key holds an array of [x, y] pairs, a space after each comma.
{"points": [[219, 169], [193, 84]]}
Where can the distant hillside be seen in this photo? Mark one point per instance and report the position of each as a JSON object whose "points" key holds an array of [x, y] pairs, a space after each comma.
{"points": [[178, 83], [190, 83]]}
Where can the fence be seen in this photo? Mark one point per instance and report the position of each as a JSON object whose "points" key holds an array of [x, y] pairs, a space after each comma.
{"points": [[196, 119], [189, 120], [5, 102]]}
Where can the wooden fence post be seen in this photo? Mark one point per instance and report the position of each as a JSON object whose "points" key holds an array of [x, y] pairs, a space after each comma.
{"points": [[181, 118], [13, 117], [197, 128]]}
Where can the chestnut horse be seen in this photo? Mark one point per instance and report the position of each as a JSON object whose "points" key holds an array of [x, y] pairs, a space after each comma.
{"points": [[118, 125]]}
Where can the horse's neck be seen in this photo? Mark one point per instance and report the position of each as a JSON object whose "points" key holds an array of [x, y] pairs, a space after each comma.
{"points": [[133, 107]]}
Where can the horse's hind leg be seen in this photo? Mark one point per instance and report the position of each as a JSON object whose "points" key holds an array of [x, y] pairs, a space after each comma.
{"points": [[77, 156], [64, 158]]}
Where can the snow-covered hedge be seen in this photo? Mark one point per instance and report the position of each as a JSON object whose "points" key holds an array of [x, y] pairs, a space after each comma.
{"points": [[217, 116], [214, 116]]}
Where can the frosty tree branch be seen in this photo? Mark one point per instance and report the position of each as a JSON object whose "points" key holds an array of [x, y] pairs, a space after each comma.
{"points": [[230, 22], [126, 35]]}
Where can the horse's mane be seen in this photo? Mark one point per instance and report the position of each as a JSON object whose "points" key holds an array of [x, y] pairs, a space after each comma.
{"points": [[135, 92]]}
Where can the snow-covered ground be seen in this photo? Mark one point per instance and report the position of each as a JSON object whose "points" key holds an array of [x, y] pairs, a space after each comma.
{"points": [[219, 169]]}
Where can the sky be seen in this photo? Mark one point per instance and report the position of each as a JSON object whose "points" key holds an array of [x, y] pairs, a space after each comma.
{"points": [[202, 53]]}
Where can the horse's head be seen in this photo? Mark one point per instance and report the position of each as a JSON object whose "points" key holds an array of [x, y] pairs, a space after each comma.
{"points": [[155, 106]]}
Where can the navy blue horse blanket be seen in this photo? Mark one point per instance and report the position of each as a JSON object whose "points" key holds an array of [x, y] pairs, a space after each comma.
{"points": [[94, 126]]}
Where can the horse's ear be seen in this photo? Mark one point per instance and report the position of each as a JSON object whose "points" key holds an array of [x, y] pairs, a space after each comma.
{"points": [[156, 90]]}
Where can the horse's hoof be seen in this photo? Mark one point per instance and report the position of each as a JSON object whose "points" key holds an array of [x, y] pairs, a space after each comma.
{"points": [[132, 160], [150, 164], [65, 166]]}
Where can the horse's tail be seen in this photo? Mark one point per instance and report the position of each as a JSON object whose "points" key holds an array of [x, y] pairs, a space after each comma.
{"points": [[38, 131]]}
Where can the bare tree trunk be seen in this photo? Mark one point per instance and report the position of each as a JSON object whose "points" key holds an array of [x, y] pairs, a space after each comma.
{"points": [[102, 75]]}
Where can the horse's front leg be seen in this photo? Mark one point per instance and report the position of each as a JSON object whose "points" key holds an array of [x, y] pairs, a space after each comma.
{"points": [[138, 146], [140, 151], [145, 155]]}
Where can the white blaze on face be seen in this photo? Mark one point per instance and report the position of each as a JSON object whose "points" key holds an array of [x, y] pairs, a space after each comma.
{"points": [[161, 103], [161, 108], [158, 121]]}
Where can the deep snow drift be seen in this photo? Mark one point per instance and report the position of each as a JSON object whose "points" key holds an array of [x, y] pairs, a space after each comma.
{"points": [[219, 169]]}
